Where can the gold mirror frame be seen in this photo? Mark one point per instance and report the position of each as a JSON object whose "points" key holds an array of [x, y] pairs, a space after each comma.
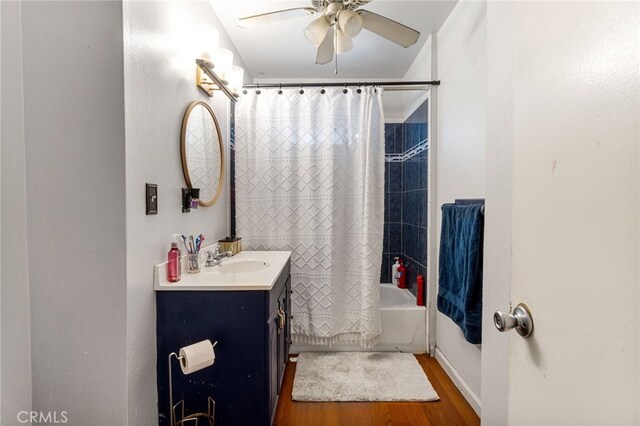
{"points": [[183, 153]]}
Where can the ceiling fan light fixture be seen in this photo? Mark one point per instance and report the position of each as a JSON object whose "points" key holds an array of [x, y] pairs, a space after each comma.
{"points": [[350, 22], [316, 31], [343, 43], [338, 23], [333, 8]]}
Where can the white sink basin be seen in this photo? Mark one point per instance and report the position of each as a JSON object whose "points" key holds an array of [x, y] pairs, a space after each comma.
{"points": [[246, 271], [241, 266]]}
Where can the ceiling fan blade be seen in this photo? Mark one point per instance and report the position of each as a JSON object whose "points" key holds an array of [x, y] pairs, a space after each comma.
{"points": [[325, 51], [278, 15], [389, 29]]}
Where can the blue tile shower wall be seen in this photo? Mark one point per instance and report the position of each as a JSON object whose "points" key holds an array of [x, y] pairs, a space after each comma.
{"points": [[405, 228]]}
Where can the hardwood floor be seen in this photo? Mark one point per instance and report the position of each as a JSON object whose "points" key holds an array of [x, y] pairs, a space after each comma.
{"points": [[451, 409]]}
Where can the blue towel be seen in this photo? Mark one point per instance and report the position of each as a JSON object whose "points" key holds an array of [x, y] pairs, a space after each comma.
{"points": [[460, 278]]}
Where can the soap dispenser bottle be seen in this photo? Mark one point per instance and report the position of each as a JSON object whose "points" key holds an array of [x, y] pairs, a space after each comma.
{"points": [[174, 263], [394, 271]]}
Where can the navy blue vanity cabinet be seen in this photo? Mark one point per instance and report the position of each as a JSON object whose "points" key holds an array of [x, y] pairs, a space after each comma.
{"points": [[279, 338], [252, 330]]}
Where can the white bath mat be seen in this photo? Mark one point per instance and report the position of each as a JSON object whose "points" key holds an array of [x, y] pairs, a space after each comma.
{"points": [[360, 376]]}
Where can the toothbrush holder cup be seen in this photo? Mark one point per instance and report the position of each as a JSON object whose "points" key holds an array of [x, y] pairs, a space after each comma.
{"points": [[193, 263]]}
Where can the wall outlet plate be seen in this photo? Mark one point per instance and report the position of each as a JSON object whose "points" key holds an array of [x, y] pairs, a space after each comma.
{"points": [[151, 198]]}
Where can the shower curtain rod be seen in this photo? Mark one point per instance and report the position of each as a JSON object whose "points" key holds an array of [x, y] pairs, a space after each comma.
{"points": [[385, 84]]}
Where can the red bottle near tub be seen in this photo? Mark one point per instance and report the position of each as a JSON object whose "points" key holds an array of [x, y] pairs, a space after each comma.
{"points": [[420, 295], [174, 264], [402, 275]]}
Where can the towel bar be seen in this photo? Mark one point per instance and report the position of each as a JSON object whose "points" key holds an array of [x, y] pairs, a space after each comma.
{"points": [[465, 201]]}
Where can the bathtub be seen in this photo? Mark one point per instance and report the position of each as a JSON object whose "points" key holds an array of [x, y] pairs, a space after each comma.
{"points": [[404, 326]]}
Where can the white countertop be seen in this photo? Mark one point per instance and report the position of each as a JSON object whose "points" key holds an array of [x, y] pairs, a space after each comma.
{"points": [[213, 279]]}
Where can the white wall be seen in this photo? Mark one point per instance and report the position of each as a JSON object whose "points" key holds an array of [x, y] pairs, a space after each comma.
{"points": [[74, 135], [399, 105], [16, 337], [420, 68], [461, 147], [160, 51]]}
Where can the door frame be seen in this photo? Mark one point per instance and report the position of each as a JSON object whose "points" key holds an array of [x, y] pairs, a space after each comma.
{"points": [[432, 219]]}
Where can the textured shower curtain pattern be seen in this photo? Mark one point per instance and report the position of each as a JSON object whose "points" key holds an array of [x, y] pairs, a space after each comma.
{"points": [[310, 179]]}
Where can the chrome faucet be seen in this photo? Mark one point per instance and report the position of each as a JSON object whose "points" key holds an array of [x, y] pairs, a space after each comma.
{"points": [[214, 259]]}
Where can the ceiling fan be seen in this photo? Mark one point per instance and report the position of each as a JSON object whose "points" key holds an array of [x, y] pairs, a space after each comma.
{"points": [[338, 22]]}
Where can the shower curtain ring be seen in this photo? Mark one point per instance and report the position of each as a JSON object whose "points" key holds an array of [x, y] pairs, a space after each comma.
{"points": [[345, 89], [258, 89], [322, 91], [359, 89], [301, 91], [280, 89]]}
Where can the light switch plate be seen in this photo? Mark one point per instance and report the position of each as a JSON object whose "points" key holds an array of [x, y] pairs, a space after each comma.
{"points": [[151, 198]]}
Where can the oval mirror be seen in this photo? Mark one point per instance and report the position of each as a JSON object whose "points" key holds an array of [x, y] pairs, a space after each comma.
{"points": [[202, 152]]}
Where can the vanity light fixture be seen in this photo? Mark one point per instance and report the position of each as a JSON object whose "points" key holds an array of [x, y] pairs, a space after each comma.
{"points": [[223, 61], [219, 73], [236, 80]]}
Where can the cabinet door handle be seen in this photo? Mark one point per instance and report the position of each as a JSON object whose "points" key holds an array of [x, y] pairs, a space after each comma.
{"points": [[282, 319]]}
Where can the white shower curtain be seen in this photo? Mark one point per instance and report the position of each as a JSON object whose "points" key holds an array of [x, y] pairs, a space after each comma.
{"points": [[310, 179]]}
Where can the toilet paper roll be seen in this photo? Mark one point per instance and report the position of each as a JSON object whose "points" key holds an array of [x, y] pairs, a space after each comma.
{"points": [[196, 357]]}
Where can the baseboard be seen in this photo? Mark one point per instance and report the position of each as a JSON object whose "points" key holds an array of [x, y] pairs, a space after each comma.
{"points": [[460, 383]]}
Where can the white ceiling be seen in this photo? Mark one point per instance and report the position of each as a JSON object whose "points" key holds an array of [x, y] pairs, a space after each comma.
{"points": [[280, 50]]}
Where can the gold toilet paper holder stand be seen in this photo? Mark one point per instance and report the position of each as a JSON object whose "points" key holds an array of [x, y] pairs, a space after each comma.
{"points": [[191, 419]]}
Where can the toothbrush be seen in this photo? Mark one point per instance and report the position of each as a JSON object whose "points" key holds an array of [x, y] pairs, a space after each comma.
{"points": [[184, 241]]}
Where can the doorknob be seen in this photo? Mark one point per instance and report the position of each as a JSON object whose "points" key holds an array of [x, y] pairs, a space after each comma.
{"points": [[520, 319]]}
